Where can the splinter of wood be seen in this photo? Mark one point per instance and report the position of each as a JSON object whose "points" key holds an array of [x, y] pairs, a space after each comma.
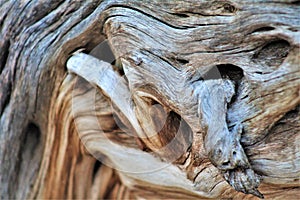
{"points": [[101, 74]]}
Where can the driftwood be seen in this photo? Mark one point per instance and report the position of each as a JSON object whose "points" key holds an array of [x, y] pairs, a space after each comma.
{"points": [[201, 102]]}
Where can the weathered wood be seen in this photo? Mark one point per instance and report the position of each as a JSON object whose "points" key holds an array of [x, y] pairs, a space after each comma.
{"points": [[168, 49]]}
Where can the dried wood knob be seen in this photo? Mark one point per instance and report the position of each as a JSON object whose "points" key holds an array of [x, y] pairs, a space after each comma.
{"points": [[244, 180]]}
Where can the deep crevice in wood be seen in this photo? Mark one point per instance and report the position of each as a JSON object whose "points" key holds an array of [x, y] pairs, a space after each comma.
{"points": [[4, 55], [32, 136], [232, 72], [5, 96], [97, 166], [181, 15], [272, 54], [263, 29], [182, 61]]}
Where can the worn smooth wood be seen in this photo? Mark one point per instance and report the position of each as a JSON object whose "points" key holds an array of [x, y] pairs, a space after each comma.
{"points": [[54, 125]]}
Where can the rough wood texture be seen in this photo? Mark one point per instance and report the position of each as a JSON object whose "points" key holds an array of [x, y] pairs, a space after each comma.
{"points": [[211, 94]]}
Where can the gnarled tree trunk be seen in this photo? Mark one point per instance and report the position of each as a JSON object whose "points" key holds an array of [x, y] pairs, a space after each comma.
{"points": [[202, 100]]}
